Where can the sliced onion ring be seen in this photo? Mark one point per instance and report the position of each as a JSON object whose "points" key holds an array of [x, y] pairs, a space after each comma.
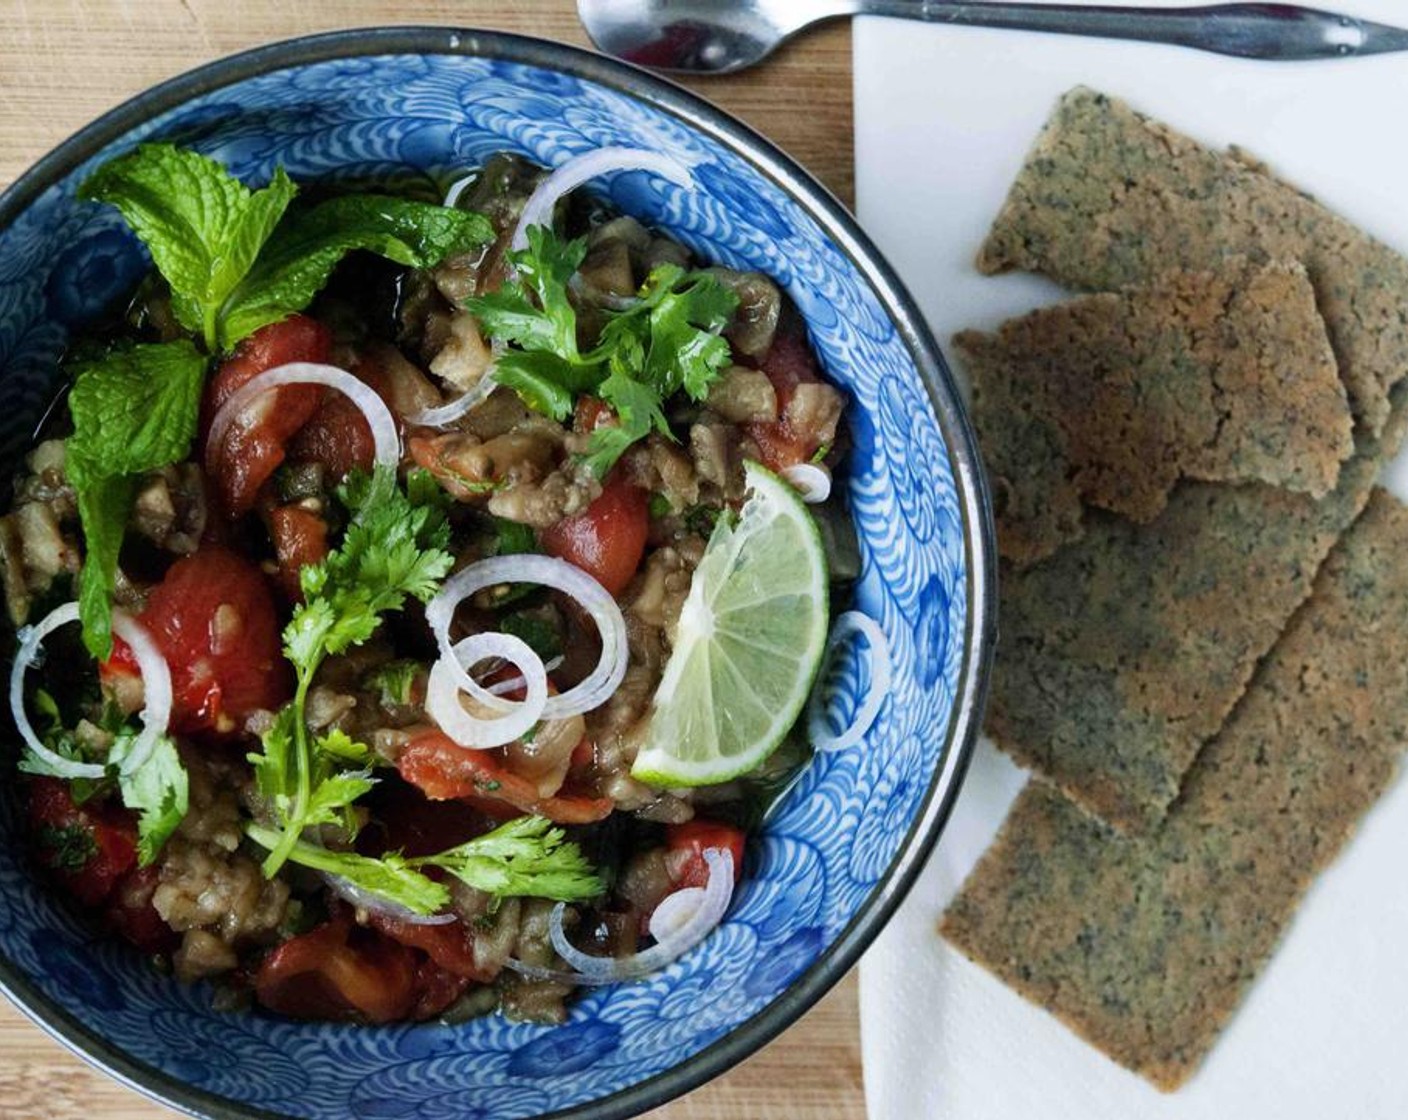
{"points": [[457, 188], [847, 625], [385, 440], [442, 416], [442, 701], [156, 688], [374, 904], [513, 684], [548, 571], [691, 914], [812, 482], [537, 211]]}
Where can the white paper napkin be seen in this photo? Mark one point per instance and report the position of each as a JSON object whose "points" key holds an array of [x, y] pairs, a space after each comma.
{"points": [[944, 117]]}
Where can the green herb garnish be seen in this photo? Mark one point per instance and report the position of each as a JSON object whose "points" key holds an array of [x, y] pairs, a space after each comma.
{"points": [[394, 549], [669, 340], [526, 856], [235, 259], [68, 848], [158, 790], [133, 411], [235, 262]]}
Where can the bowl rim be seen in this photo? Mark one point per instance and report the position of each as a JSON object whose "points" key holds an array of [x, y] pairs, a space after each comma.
{"points": [[969, 479]]}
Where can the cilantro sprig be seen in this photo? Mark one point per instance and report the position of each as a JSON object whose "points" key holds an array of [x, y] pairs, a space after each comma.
{"points": [[527, 856], [395, 549], [669, 340]]}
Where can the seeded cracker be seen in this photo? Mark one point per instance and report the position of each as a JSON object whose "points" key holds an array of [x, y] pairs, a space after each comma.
{"points": [[1109, 198], [1111, 398], [1122, 653], [1146, 945]]}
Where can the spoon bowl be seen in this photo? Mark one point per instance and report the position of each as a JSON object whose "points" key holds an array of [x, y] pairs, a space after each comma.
{"points": [[701, 36]]}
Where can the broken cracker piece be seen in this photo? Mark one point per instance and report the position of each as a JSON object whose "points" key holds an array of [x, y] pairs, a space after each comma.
{"points": [[1146, 945], [1110, 399]]}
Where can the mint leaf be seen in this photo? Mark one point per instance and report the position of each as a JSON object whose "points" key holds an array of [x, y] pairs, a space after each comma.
{"points": [[136, 410], [527, 856], [203, 227], [103, 505], [158, 791], [235, 261], [308, 245]]}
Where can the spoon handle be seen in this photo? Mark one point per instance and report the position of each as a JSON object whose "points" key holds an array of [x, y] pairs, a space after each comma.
{"points": [[1277, 32]]}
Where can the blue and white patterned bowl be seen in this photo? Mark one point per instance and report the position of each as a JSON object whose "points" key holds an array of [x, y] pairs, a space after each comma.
{"points": [[837, 857]]}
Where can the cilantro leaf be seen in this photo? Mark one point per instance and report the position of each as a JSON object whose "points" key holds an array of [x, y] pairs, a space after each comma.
{"points": [[203, 227], [388, 876], [394, 682], [340, 746], [332, 796], [274, 774], [158, 791], [308, 245], [542, 380], [526, 856], [135, 410], [637, 408], [533, 310], [669, 341]]}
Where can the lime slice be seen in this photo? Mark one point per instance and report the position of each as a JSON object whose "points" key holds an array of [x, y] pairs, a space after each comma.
{"points": [[748, 646]]}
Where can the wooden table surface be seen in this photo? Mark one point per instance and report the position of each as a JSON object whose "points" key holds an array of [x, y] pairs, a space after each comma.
{"points": [[63, 62]]}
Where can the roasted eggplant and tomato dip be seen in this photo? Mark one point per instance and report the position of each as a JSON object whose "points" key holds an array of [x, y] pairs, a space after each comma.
{"points": [[416, 603]]}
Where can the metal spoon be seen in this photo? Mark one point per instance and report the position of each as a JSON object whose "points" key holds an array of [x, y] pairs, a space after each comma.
{"points": [[720, 36]]}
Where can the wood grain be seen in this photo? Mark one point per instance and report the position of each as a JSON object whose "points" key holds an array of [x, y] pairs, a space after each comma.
{"points": [[63, 62]]}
